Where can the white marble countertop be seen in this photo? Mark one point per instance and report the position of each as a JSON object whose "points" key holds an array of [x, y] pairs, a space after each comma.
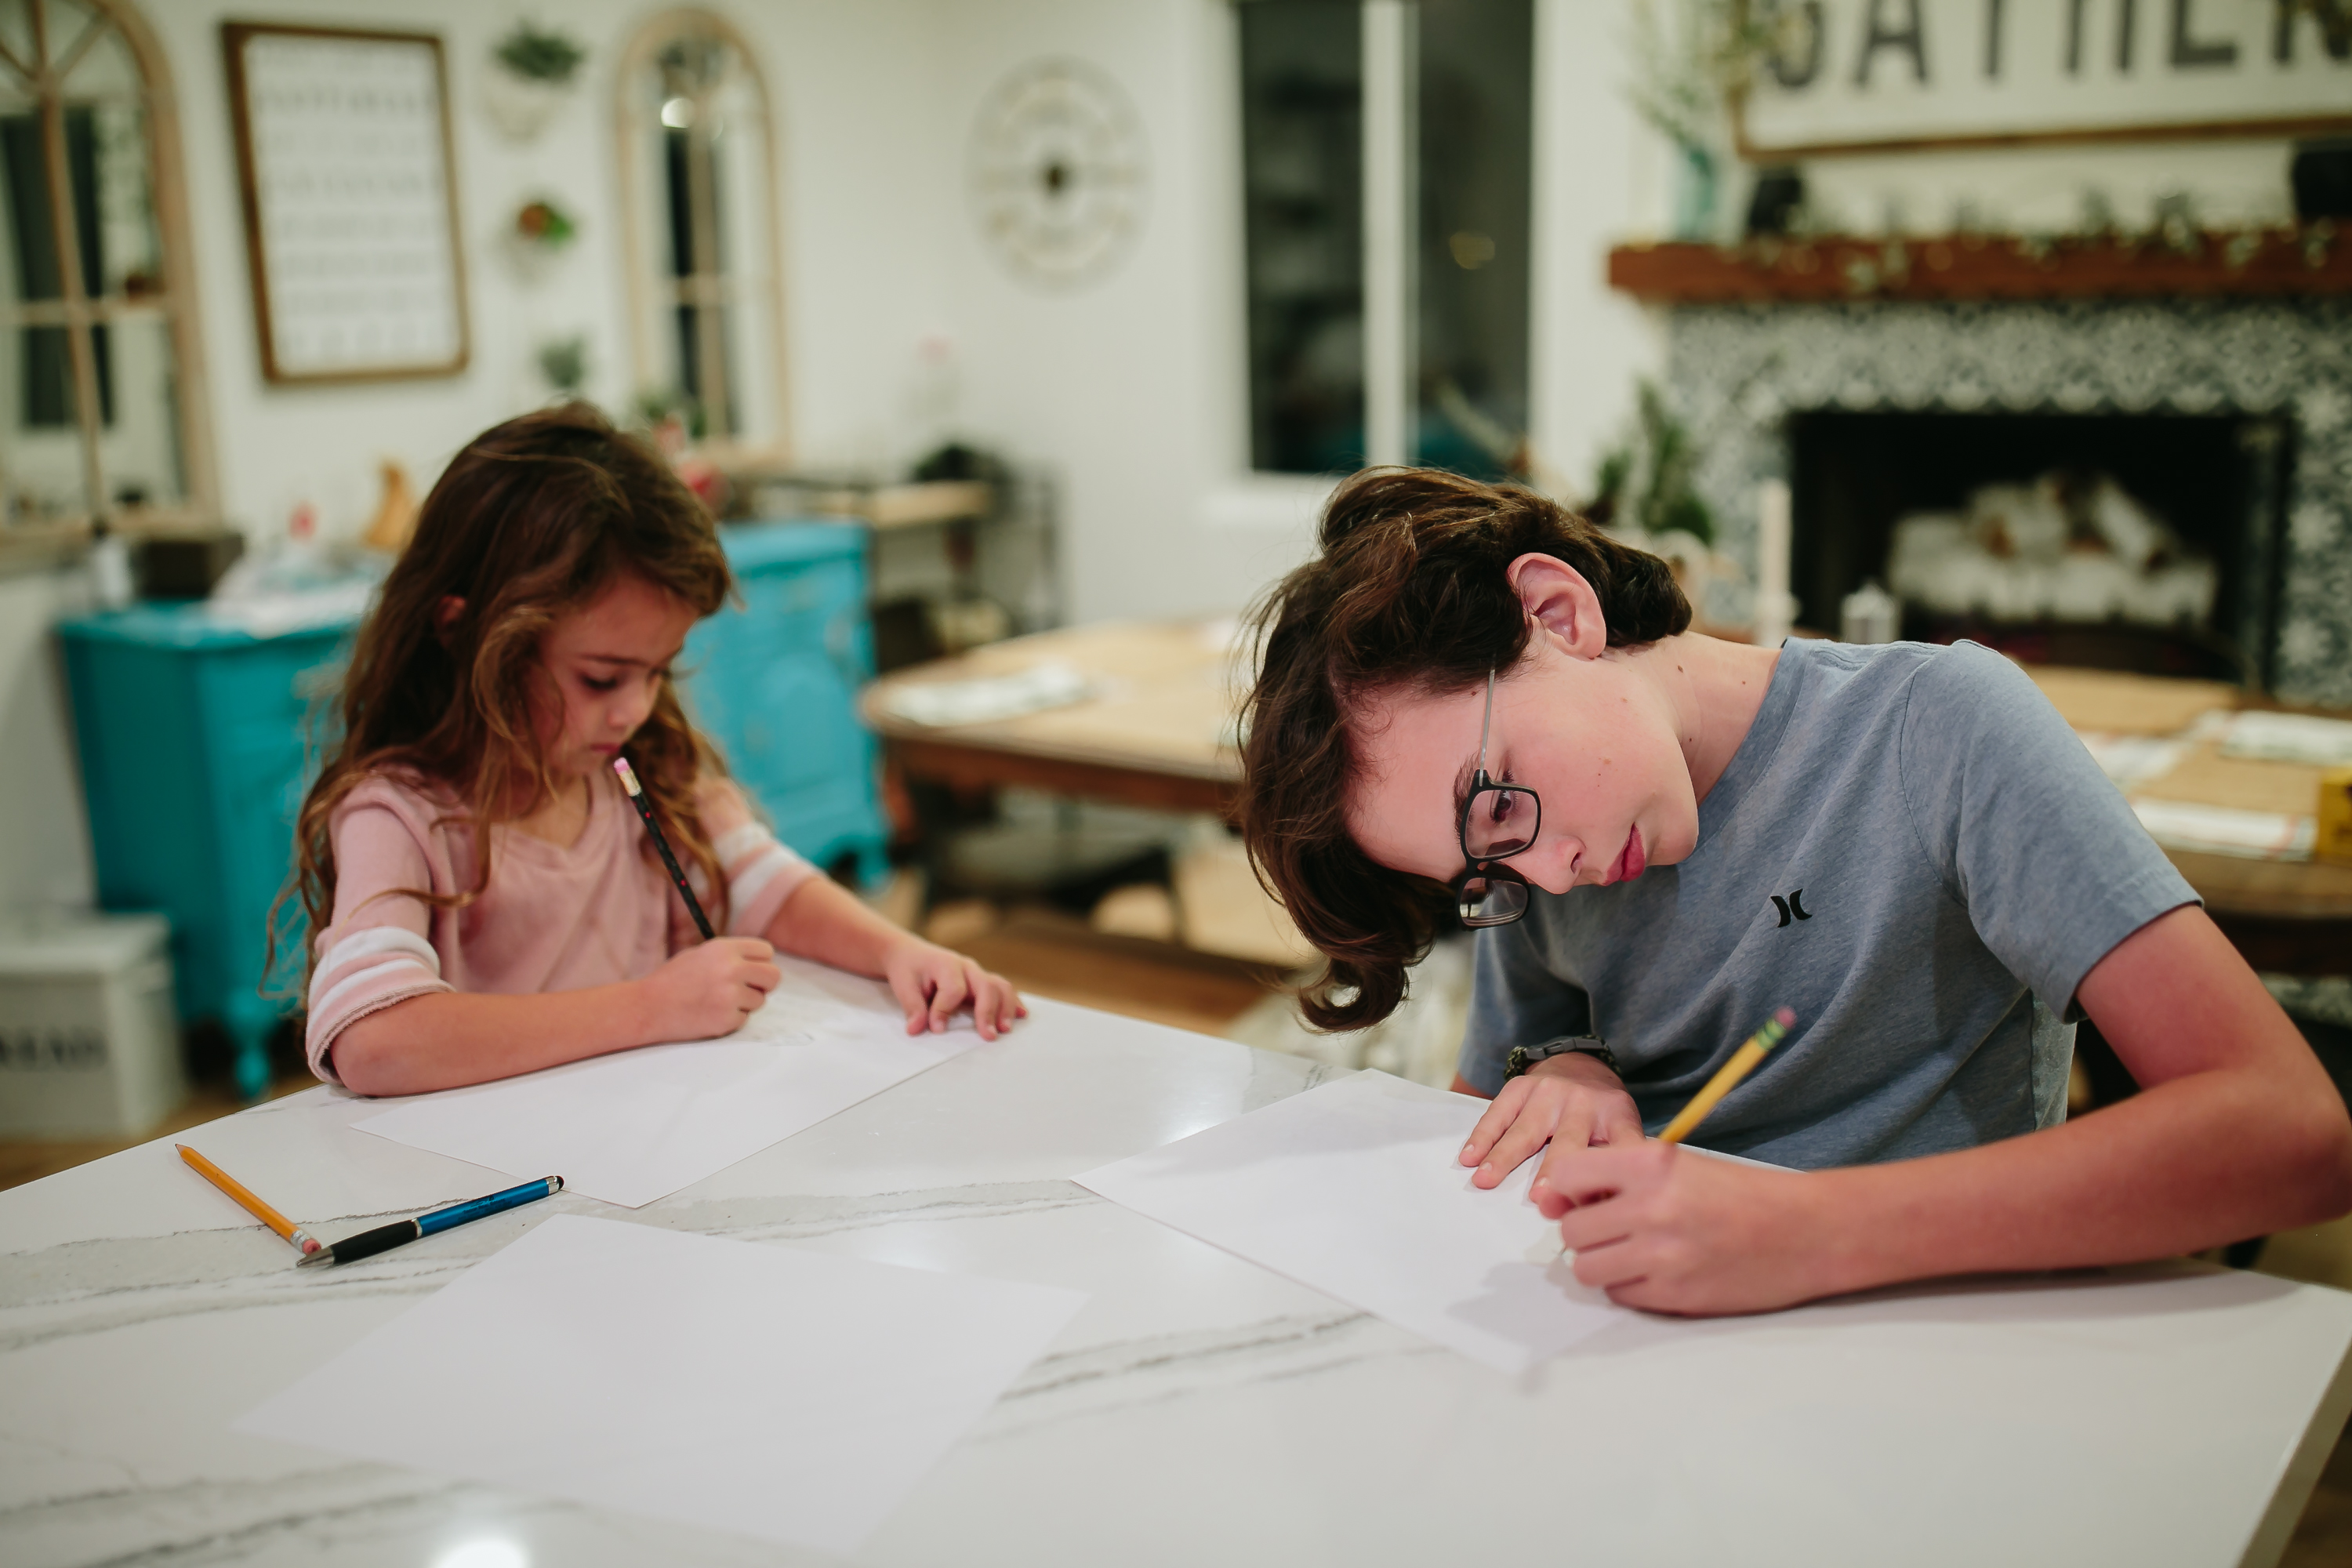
{"points": [[1198, 1410]]}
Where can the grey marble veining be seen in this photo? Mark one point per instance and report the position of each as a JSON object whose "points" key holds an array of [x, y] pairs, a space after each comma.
{"points": [[1199, 1409]]}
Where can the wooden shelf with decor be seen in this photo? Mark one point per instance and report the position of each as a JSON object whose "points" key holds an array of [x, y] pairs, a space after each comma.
{"points": [[2311, 258]]}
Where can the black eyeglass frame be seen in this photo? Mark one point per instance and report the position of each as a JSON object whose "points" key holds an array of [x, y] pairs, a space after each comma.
{"points": [[1490, 868]]}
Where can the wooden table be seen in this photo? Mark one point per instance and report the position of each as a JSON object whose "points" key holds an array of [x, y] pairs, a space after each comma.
{"points": [[2293, 917], [1160, 735]]}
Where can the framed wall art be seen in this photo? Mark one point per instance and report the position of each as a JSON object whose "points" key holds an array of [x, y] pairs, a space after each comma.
{"points": [[351, 209]]}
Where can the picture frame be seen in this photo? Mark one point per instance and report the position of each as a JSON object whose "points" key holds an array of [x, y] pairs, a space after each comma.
{"points": [[350, 193]]}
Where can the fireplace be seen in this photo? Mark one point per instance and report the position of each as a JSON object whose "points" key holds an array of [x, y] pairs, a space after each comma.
{"points": [[2129, 541], [2232, 418]]}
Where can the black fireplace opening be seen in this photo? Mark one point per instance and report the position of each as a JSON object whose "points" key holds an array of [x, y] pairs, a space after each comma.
{"points": [[2115, 541]]}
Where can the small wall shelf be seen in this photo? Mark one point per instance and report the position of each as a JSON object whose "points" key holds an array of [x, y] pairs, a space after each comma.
{"points": [[2313, 259]]}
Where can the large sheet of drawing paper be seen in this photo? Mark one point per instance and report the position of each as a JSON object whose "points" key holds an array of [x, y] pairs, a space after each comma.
{"points": [[790, 1395], [1353, 1188], [638, 1125]]}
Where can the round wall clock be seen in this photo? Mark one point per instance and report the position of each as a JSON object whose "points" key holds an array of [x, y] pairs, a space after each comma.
{"points": [[1059, 174]]}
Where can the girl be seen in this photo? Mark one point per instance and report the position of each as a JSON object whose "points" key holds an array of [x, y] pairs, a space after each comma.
{"points": [[1474, 705], [486, 900]]}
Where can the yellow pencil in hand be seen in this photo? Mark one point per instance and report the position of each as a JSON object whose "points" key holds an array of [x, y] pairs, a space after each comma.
{"points": [[1726, 1077]]}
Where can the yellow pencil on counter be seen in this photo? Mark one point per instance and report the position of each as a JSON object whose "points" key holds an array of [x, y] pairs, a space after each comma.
{"points": [[1726, 1077], [302, 1240]]}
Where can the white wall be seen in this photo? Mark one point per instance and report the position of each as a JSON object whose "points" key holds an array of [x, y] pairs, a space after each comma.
{"points": [[901, 327], [853, 92]]}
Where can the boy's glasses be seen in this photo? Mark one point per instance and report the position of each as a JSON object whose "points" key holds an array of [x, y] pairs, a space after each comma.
{"points": [[1497, 822]]}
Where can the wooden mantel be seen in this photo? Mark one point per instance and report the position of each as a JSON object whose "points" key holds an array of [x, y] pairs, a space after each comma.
{"points": [[2314, 258]]}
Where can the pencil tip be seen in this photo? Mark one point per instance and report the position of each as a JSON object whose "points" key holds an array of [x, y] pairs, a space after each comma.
{"points": [[321, 1256]]}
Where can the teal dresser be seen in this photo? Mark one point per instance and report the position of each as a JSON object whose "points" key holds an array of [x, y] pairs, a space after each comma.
{"points": [[776, 685], [192, 739], [191, 742]]}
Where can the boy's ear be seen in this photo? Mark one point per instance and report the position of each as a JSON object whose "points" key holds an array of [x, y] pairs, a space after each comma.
{"points": [[1556, 596], [445, 614]]}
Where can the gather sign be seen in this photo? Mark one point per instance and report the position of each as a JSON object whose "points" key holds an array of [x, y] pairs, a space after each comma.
{"points": [[1883, 76]]}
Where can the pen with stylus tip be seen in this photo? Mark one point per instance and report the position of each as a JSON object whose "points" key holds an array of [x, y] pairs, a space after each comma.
{"points": [[636, 794], [385, 1237]]}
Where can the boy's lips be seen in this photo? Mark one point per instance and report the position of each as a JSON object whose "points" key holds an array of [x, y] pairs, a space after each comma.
{"points": [[1630, 861]]}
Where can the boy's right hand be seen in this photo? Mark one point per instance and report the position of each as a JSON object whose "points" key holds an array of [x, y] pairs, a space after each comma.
{"points": [[709, 989], [1570, 1100]]}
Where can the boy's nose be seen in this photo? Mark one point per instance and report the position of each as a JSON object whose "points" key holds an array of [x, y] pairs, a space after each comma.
{"points": [[1553, 863]]}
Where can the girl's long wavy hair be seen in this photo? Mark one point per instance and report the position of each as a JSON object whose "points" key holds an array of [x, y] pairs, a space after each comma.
{"points": [[533, 518], [1407, 594]]}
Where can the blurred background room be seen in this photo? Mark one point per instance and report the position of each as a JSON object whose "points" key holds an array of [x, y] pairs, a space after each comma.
{"points": [[1016, 343]]}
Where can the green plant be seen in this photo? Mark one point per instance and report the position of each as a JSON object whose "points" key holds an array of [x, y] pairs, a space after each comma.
{"points": [[1685, 66], [538, 54], [1645, 481], [542, 222], [564, 363]]}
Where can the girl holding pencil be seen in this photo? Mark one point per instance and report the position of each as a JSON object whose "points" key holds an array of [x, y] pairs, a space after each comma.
{"points": [[1474, 707], [485, 899]]}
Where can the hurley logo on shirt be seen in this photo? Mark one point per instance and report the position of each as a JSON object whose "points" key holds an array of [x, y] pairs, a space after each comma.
{"points": [[1792, 906]]}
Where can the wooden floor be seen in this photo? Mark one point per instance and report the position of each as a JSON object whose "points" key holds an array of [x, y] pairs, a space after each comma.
{"points": [[1048, 954]]}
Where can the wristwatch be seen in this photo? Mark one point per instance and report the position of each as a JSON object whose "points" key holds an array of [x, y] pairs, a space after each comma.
{"points": [[1522, 1058]]}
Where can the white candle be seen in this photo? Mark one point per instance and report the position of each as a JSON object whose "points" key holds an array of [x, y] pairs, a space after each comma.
{"points": [[1775, 607]]}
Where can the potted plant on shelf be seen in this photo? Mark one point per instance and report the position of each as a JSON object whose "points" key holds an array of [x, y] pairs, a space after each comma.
{"points": [[533, 71]]}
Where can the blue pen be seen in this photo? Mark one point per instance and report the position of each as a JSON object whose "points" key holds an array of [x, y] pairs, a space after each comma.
{"points": [[385, 1237]]}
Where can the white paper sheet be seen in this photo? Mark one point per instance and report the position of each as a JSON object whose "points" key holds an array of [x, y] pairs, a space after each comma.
{"points": [[638, 1125], [1352, 1188], [789, 1395]]}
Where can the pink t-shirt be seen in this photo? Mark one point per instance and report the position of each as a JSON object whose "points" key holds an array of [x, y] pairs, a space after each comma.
{"points": [[551, 918]]}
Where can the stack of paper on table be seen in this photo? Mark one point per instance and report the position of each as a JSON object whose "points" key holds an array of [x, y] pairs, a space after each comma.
{"points": [[790, 1395], [1354, 1188], [638, 1125], [2227, 830]]}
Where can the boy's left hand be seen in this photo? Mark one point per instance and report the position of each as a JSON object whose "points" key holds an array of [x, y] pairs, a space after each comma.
{"points": [[1668, 1231], [934, 983]]}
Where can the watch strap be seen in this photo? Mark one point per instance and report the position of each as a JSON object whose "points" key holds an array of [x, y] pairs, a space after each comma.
{"points": [[1522, 1058]]}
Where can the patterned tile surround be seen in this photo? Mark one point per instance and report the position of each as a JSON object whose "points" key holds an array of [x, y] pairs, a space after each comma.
{"points": [[1735, 371]]}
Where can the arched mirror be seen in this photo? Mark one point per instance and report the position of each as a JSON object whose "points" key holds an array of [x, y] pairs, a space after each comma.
{"points": [[699, 172], [100, 394]]}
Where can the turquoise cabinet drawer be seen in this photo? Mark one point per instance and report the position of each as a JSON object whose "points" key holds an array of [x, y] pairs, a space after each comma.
{"points": [[193, 740], [774, 684]]}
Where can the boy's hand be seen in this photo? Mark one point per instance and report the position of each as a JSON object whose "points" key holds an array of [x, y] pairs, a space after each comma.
{"points": [[1567, 1101], [933, 984], [709, 989], [1669, 1231]]}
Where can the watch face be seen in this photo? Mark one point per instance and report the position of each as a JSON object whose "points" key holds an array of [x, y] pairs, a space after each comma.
{"points": [[1059, 174]]}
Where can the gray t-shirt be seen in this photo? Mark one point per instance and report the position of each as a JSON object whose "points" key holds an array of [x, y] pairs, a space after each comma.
{"points": [[1912, 851]]}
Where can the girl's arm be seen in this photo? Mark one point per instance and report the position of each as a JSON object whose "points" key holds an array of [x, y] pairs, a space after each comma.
{"points": [[446, 1039], [2236, 1133]]}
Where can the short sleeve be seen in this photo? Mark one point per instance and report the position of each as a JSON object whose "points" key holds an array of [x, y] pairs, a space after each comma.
{"points": [[1515, 1000], [376, 951], [2027, 834]]}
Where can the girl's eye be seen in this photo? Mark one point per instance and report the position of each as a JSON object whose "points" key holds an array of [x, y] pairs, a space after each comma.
{"points": [[1500, 807], [598, 683]]}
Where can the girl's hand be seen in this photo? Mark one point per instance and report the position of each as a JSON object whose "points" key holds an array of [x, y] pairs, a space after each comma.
{"points": [[708, 990], [933, 984], [1668, 1231], [1566, 1100]]}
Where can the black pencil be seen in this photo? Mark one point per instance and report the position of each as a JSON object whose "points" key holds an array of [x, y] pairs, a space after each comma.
{"points": [[646, 809]]}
